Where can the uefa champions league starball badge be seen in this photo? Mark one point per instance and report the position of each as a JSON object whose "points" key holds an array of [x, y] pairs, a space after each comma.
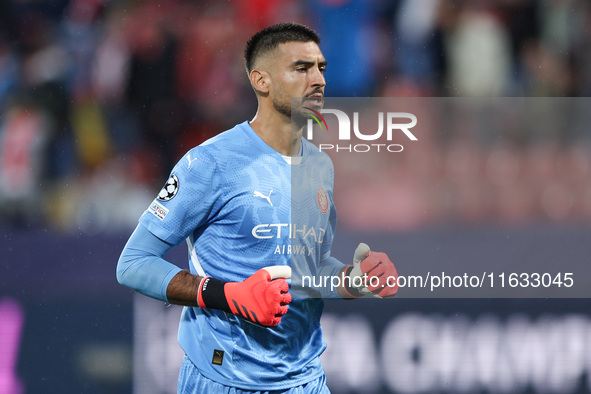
{"points": [[170, 189]]}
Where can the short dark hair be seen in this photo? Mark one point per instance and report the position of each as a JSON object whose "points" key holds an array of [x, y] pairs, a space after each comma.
{"points": [[270, 37]]}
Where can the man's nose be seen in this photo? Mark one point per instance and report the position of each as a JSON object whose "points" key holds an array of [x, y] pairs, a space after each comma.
{"points": [[318, 78]]}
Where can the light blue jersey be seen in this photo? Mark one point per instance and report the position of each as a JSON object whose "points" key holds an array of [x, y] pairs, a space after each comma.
{"points": [[242, 206]]}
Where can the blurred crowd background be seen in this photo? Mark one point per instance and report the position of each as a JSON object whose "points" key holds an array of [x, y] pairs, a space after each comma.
{"points": [[99, 99]]}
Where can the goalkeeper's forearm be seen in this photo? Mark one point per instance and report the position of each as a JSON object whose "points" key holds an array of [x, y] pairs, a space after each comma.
{"points": [[182, 289], [142, 268], [261, 298]]}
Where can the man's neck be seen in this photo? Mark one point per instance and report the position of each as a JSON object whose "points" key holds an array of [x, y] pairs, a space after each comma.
{"points": [[277, 133]]}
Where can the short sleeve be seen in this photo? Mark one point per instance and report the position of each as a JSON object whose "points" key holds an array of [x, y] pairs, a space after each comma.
{"points": [[188, 199]]}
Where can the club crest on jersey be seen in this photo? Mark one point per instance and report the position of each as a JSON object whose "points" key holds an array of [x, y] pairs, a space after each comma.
{"points": [[322, 197], [170, 189]]}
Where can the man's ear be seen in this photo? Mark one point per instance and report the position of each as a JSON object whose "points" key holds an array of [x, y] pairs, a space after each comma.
{"points": [[260, 81]]}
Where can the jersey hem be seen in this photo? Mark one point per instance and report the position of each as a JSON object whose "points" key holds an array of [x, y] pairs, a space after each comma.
{"points": [[261, 387]]}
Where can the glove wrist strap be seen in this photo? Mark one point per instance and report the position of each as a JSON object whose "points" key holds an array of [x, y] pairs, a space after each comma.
{"points": [[211, 294], [350, 290]]}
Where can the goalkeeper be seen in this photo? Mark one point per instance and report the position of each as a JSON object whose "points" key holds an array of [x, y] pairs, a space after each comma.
{"points": [[231, 200]]}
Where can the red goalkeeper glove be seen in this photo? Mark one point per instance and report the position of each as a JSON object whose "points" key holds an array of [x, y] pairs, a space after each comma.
{"points": [[372, 273], [262, 298]]}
